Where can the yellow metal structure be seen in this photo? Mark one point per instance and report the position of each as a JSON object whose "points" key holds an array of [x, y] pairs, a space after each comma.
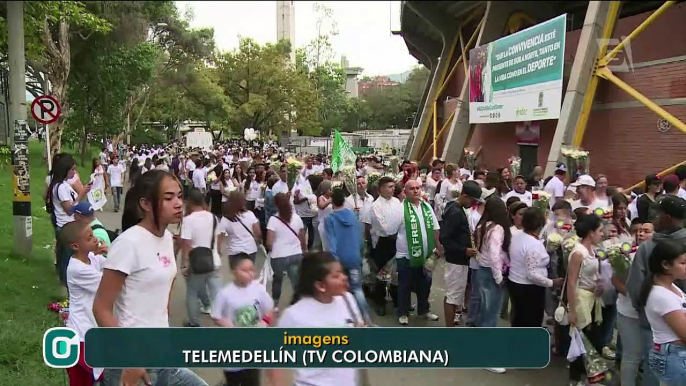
{"points": [[435, 117], [663, 173], [612, 15]]}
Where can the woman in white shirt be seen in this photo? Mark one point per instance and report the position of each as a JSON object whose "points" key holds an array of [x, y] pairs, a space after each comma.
{"points": [[665, 308], [516, 214], [451, 184], [99, 176], [59, 200], [584, 287], [136, 283], [528, 276], [285, 243], [216, 197], [241, 227], [324, 209], [432, 183], [322, 301], [252, 189]]}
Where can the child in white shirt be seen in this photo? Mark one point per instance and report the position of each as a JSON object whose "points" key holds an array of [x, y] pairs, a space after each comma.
{"points": [[243, 303], [83, 278]]}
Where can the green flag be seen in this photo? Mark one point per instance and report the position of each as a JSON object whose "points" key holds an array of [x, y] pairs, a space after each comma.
{"points": [[341, 154]]}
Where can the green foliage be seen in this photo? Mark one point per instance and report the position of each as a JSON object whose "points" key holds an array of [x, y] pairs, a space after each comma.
{"points": [[266, 92], [5, 157]]}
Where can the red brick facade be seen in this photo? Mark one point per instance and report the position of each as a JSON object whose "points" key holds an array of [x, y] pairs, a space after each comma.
{"points": [[624, 143]]}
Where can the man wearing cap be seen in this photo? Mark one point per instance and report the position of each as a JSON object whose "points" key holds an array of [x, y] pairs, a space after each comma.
{"points": [[455, 236], [670, 184], [669, 221], [585, 189], [556, 186], [83, 212]]}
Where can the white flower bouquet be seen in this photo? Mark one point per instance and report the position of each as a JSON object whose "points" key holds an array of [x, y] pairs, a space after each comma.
{"points": [[470, 157], [392, 168], [293, 167], [373, 178], [541, 199], [515, 165], [577, 160]]}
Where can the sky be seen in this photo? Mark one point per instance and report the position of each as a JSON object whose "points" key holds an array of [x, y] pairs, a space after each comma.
{"points": [[364, 29]]}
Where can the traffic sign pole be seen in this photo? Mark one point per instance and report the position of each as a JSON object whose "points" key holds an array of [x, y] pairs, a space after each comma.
{"points": [[21, 201]]}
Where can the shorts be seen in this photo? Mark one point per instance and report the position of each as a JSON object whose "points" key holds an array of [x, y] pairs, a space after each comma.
{"points": [[455, 277], [82, 374]]}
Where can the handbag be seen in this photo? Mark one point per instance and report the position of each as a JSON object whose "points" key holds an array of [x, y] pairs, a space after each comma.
{"points": [[363, 379], [562, 311], [202, 260]]}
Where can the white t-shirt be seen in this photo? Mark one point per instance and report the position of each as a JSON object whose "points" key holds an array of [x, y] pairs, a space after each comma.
{"points": [[280, 187], [243, 306], [83, 281], [556, 188], [116, 172], [661, 302], [525, 197], [197, 227], [625, 307], [594, 205], [62, 192], [149, 262], [401, 242], [310, 313], [240, 239], [285, 242], [199, 178]]}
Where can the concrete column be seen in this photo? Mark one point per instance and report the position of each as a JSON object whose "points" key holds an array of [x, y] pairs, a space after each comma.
{"points": [[582, 70]]}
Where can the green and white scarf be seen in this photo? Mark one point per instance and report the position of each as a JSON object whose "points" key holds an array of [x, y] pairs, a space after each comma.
{"points": [[415, 242]]}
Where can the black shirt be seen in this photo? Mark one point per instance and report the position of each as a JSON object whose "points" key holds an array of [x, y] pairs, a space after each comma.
{"points": [[455, 234]]}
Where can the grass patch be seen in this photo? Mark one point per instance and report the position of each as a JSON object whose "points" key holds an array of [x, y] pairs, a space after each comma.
{"points": [[28, 285]]}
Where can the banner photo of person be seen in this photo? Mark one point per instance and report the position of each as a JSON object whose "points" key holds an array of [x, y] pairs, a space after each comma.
{"points": [[519, 77]]}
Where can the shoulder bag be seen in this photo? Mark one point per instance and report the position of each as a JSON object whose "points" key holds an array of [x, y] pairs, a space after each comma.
{"points": [[289, 227], [363, 379], [202, 259]]}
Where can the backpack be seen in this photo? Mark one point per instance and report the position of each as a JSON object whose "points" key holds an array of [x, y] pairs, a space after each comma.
{"points": [[111, 234]]}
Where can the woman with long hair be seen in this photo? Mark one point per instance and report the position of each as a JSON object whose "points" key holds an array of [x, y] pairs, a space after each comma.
{"points": [[620, 214], [646, 201], [505, 181], [663, 302], [324, 209], [584, 287], [252, 190], [59, 201], [241, 227], [322, 300], [216, 196], [493, 243], [602, 193], [516, 214], [285, 243], [99, 175], [134, 173], [238, 177], [147, 166], [136, 282], [226, 186]]}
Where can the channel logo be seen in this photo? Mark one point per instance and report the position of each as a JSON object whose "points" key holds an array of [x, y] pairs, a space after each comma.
{"points": [[61, 348]]}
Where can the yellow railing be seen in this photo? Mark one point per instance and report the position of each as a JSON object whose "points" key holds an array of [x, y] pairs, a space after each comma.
{"points": [[663, 173]]}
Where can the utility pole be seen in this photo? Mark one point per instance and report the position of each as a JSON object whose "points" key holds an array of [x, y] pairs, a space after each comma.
{"points": [[19, 136]]}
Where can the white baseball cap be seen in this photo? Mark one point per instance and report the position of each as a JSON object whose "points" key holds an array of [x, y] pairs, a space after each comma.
{"points": [[585, 180]]}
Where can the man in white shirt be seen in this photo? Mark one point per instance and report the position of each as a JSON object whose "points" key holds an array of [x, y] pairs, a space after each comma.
{"points": [[381, 231], [681, 173], [556, 186], [282, 185], [585, 189], [360, 202], [116, 172], [413, 248]]}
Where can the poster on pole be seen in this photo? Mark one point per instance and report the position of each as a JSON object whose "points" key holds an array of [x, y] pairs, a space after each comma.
{"points": [[519, 77]]}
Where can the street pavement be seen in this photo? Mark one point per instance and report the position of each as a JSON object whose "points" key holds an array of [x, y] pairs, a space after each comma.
{"points": [[554, 374]]}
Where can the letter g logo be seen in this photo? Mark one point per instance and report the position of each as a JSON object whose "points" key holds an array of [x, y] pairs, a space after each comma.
{"points": [[61, 348]]}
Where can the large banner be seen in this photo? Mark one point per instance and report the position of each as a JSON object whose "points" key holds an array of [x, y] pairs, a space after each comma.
{"points": [[519, 77]]}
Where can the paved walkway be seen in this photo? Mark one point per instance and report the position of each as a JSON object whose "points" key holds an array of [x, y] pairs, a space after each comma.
{"points": [[554, 374]]}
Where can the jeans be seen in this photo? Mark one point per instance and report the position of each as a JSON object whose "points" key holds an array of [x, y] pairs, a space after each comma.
{"points": [[117, 191], [474, 300], [196, 286], [260, 214], [650, 378], [317, 244], [355, 288], [632, 349], [607, 327], [668, 361], [307, 222], [288, 264], [407, 276], [63, 254], [491, 298], [158, 377]]}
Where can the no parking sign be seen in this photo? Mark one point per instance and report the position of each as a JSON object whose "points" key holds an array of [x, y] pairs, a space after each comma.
{"points": [[45, 109]]}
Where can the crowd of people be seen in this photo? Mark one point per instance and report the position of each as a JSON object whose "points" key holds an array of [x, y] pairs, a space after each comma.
{"points": [[529, 250]]}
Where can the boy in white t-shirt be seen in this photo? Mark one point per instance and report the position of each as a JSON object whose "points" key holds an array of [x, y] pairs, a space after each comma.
{"points": [[243, 303], [83, 278]]}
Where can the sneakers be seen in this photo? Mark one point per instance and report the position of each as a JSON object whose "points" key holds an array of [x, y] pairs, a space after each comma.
{"points": [[607, 353], [429, 316], [457, 319], [404, 320], [205, 310], [496, 370]]}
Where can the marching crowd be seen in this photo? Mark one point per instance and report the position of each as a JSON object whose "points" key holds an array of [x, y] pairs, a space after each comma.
{"points": [[569, 252]]}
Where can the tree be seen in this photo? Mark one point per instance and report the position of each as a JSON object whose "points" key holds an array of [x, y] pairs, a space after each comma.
{"points": [[49, 28], [266, 92], [328, 77]]}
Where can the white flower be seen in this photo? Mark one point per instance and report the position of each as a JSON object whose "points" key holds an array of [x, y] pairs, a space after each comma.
{"points": [[555, 238], [542, 194]]}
